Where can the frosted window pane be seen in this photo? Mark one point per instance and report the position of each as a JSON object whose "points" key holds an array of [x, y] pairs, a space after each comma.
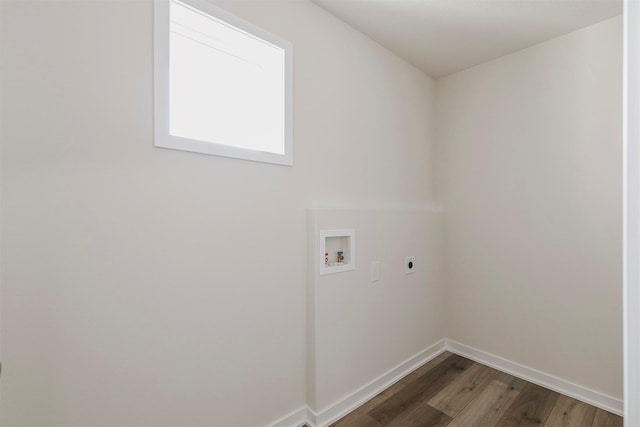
{"points": [[226, 86]]}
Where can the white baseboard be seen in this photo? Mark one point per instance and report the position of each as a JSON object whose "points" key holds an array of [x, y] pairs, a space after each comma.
{"points": [[350, 402], [297, 418], [578, 392]]}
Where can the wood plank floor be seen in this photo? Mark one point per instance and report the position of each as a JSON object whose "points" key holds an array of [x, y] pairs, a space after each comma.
{"points": [[453, 391]]}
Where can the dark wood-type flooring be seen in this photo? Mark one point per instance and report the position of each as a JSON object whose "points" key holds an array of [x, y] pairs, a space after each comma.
{"points": [[453, 391]]}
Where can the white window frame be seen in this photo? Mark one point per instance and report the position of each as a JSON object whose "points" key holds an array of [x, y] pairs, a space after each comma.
{"points": [[162, 136]]}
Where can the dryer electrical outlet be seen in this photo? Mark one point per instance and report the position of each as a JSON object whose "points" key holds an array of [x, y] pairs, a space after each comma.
{"points": [[410, 264]]}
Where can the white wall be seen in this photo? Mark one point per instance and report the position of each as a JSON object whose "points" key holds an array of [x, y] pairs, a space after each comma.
{"points": [[146, 286], [528, 165], [362, 329]]}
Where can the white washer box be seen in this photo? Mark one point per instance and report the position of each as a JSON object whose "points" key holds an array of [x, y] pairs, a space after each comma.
{"points": [[332, 242]]}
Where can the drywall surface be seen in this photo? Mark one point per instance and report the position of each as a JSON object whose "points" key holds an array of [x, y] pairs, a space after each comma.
{"points": [[529, 168], [147, 286], [361, 329]]}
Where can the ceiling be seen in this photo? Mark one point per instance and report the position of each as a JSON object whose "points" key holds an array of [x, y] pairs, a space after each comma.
{"points": [[444, 36]]}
